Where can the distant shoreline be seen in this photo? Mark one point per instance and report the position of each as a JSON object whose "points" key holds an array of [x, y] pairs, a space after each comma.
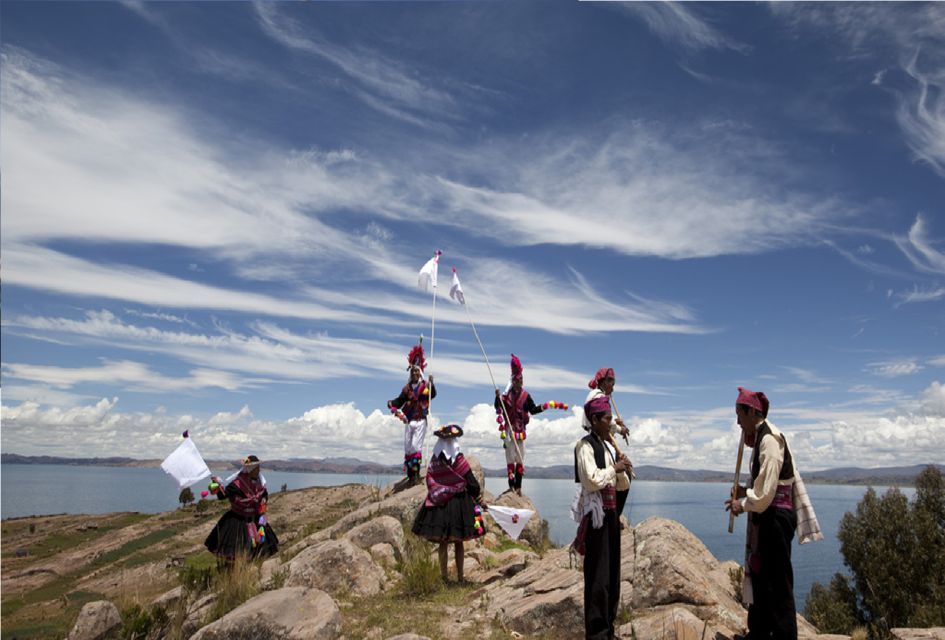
{"points": [[902, 476]]}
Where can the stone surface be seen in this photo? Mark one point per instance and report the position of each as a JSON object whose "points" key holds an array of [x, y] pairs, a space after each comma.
{"points": [[97, 621], [268, 571], [496, 566], [292, 613], [383, 529], [198, 613], [545, 597], [383, 554], [932, 633], [169, 599], [408, 636], [337, 566], [672, 623]]}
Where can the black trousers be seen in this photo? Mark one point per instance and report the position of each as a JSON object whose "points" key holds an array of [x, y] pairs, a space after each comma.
{"points": [[772, 615], [622, 501], [602, 578]]}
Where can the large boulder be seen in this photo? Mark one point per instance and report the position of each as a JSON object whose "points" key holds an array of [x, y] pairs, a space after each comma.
{"points": [[337, 566], [932, 633], [671, 623], [532, 533], [663, 563], [545, 597], [292, 613], [383, 529], [97, 621]]}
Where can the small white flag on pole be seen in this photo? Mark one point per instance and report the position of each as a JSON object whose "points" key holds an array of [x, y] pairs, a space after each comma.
{"points": [[456, 290], [511, 520], [185, 464], [428, 272]]}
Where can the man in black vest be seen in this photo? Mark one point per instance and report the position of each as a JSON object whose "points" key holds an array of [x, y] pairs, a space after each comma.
{"points": [[771, 521], [597, 471]]}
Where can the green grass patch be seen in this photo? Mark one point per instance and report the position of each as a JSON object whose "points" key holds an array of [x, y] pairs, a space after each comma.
{"points": [[49, 539], [136, 545]]}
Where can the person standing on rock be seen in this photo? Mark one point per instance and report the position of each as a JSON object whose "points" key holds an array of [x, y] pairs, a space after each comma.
{"points": [[598, 535], [244, 530], [771, 521], [413, 405], [519, 406], [602, 384], [451, 512]]}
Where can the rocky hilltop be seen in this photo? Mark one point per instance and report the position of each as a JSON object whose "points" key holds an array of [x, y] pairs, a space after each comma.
{"points": [[348, 568]]}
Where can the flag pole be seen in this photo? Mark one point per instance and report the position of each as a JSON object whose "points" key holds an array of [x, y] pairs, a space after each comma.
{"points": [[735, 483], [492, 377], [611, 437], [436, 267]]}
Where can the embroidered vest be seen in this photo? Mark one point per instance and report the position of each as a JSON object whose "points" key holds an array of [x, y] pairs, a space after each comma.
{"points": [[515, 406], [787, 469], [599, 456], [418, 403]]}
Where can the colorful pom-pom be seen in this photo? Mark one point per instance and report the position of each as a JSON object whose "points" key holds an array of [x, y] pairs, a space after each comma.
{"points": [[204, 493]]}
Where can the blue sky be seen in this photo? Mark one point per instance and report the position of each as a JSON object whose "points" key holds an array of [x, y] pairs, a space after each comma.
{"points": [[213, 215]]}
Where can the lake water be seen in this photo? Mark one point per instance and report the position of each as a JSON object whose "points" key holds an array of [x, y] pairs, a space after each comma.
{"points": [[48, 489]]}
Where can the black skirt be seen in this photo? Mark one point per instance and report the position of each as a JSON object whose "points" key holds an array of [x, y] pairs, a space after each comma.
{"points": [[230, 537], [453, 522]]}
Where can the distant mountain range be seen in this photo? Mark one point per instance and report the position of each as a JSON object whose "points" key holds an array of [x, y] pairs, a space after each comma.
{"points": [[844, 475]]}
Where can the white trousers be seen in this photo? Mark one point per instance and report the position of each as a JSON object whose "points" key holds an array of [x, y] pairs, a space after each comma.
{"points": [[414, 432], [514, 451]]}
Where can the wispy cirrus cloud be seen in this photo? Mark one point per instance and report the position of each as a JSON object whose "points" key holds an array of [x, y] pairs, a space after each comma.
{"points": [[895, 368], [131, 375], [639, 189], [920, 294], [910, 36], [680, 25], [921, 112], [385, 84], [267, 352], [258, 220], [919, 249]]}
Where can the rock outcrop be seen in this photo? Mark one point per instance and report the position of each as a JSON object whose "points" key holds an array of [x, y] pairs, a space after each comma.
{"points": [[292, 613], [98, 620], [932, 633], [337, 566]]}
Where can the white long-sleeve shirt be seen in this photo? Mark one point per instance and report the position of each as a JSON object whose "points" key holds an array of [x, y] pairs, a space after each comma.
{"points": [[771, 458], [592, 478]]}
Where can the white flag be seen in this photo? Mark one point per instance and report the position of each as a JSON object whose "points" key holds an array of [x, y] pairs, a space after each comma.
{"points": [[185, 464], [428, 272], [511, 520], [456, 291]]}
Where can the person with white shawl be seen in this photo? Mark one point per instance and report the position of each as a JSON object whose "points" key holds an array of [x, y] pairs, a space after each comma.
{"points": [[595, 507], [451, 512], [777, 504]]}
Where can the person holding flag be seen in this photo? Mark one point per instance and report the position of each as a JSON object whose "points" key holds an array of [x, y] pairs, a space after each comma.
{"points": [[413, 406], [244, 529], [519, 406]]}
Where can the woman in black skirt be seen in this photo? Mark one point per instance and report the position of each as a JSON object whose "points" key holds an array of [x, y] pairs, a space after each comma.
{"points": [[244, 529], [451, 512]]}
